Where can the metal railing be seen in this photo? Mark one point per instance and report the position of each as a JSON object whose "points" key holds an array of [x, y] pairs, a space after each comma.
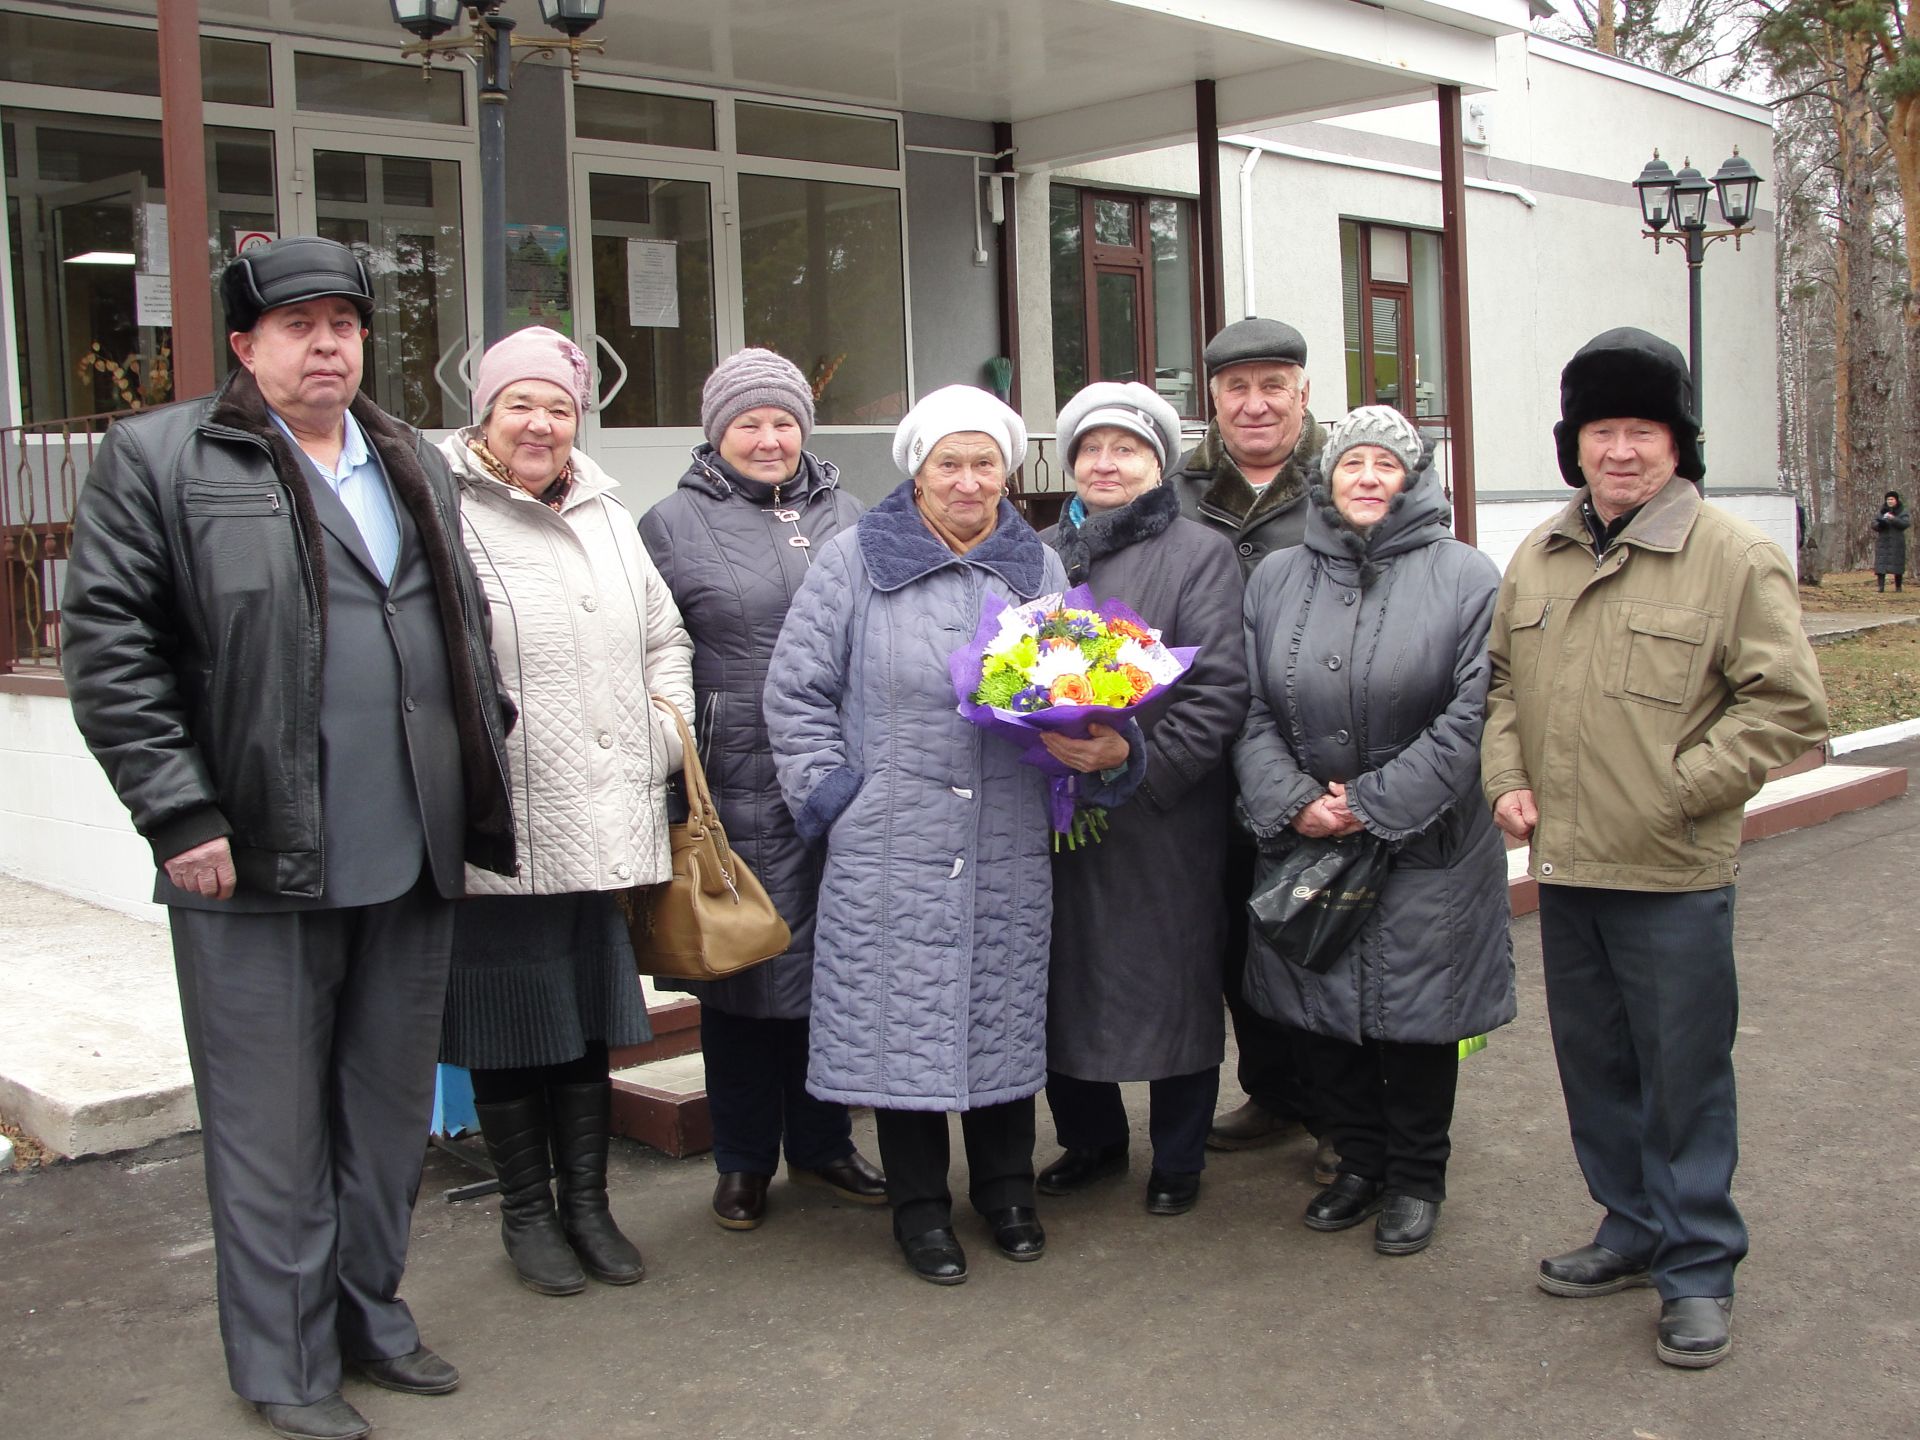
{"points": [[42, 467]]}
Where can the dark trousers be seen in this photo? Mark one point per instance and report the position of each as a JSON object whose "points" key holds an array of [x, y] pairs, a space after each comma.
{"points": [[1643, 1002], [1388, 1107], [1089, 1115], [312, 1037], [757, 1090], [1271, 1068], [915, 1151]]}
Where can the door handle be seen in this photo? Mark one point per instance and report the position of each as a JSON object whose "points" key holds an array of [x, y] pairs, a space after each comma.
{"points": [[460, 398], [605, 400]]}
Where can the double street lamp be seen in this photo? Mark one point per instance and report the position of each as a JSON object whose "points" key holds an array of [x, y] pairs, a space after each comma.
{"points": [[1680, 201], [490, 46]]}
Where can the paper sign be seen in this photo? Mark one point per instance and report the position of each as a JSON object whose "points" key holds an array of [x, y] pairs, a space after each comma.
{"points": [[245, 240], [152, 298], [653, 284], [154, 237]]}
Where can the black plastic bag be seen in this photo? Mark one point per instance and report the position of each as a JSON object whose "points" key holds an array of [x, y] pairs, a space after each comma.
{"points": [[1310, 901]]}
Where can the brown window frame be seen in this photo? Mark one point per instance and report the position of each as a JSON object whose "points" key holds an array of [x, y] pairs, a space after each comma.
{"points": [[1402, 293]]}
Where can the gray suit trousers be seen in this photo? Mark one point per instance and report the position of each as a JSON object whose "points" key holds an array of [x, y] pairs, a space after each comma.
{"points": [[313, 1036]]}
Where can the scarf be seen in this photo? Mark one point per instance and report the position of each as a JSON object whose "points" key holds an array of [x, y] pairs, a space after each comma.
{"points": [[553, 497], [947, 537]]}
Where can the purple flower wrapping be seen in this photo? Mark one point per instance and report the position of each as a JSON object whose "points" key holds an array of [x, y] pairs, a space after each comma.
{"points": [[1023, 730]]}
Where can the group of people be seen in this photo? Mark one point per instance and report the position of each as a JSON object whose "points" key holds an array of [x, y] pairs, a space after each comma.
{"points": [[400, 723]]}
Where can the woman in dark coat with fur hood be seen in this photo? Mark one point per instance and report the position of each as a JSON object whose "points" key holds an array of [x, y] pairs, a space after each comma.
{"points": [[1367, 649], [734, 542], [1139, 920]]}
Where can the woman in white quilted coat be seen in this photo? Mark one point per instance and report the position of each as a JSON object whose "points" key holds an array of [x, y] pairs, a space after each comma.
{"points": [[543, 980]]}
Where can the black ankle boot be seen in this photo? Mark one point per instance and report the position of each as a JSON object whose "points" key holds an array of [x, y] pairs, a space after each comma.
{"points": [[580, 1119], [516, 1136]]}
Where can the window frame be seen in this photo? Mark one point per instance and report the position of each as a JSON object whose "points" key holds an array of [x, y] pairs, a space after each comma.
{"points": [[1403, 293]]}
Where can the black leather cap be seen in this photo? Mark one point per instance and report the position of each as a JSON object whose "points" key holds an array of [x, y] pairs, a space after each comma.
{"points": [[287, 271], [1253, 339]]}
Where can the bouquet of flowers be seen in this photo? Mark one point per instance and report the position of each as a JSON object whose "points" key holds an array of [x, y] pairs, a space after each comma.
{"points": [[1058, 664]]}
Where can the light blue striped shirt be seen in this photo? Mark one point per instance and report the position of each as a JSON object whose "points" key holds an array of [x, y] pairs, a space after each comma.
{"points": [[362, 487]]}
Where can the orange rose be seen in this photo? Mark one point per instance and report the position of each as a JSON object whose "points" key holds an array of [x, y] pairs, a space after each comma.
{"points": [[1139, 679], [1072, 690]]}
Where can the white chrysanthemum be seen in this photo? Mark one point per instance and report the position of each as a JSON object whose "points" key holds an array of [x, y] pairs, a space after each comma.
{"points": [[1066, 660], [1157, 661]]}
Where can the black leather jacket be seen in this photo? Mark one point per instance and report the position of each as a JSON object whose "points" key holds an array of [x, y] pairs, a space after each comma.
{"points": [[192, 647]]}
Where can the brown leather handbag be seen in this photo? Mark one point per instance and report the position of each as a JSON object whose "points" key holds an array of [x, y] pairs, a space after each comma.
{"points": [[712, 917]]}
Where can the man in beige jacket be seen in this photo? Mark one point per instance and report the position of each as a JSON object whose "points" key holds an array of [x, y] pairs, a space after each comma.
{"points": [[1649, 669]]}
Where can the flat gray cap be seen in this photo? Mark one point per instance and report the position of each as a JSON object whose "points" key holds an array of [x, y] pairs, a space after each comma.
{"points": [[1254, 339]]}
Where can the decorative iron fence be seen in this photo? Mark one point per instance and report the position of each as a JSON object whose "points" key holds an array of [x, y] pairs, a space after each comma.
{"points": [[42, 467]]}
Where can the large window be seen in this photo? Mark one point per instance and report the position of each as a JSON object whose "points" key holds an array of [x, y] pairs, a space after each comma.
{"points": [[1394, 330], [1125, 293], [87, 221]]}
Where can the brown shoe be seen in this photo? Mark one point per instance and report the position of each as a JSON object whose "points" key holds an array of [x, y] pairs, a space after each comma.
{"points": [[1326, 1162], [740, 1200], [1248, 1128], [851, 1178]]}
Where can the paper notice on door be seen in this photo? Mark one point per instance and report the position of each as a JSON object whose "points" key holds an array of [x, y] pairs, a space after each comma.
{"points": [[152, 298], [653, 284], [153, 237]]}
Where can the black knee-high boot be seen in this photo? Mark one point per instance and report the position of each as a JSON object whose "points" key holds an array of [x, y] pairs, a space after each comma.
{"points": [[516, 1136], [581, 1115]]}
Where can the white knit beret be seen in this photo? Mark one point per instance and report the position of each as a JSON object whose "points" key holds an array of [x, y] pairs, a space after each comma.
{"points": [[951, 410], [1380, 425], [1130, 406]]}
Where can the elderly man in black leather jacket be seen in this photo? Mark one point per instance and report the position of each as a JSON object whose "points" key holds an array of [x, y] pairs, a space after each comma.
{"points": [[277, 649]]}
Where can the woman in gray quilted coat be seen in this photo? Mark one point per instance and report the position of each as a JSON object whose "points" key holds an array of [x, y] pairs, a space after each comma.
{"points": [[1367, 649], [930, 946], [734, 542]]}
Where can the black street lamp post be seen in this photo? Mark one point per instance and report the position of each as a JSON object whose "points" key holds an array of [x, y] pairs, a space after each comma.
{"points": [[490, 48], [1680, 201]]}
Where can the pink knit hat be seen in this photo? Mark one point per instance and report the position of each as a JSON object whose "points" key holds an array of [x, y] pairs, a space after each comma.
{"points": [[535, 353]]}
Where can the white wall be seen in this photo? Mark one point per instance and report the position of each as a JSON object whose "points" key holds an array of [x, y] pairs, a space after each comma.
{"points": [[61, 825], [1542, 278]]}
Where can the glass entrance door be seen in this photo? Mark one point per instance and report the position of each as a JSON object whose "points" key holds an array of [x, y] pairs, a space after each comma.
{"points": [[407, 215], [110, 359], [653, 310]]}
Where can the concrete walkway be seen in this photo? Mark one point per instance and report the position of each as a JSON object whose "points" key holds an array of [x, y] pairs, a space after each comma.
{"points": [[1232, 1321], [1839, 624]]}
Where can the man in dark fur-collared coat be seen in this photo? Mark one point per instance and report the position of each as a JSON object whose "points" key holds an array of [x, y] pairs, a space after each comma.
{"points": [[276, 648]]}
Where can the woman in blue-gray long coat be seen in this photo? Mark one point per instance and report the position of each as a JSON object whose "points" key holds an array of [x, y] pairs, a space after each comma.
{"points": [[930, 942], [1367, 648], [734, 543]]}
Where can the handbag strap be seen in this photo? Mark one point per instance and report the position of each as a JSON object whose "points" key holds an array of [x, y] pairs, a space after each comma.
{"points": [[703, 816]]}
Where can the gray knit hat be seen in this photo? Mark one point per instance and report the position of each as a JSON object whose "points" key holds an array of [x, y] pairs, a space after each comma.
{"points": [[1380, 425], [747, 381], [1130, 406]]}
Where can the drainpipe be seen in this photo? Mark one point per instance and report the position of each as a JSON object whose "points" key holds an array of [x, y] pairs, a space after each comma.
{"points": [[1246, 229]]}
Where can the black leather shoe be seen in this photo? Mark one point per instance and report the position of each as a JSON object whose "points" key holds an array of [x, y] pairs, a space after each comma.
{"points": [[1344, 1203], [1696, 1331], [936, 1257], [1077, 1169], [851, 1178], [1405, 1226], [1016, 1230], [1591, 1270], [1248, 1128], [740, 1200], [329, 1418], [1171, 1194], [419, 1372]]}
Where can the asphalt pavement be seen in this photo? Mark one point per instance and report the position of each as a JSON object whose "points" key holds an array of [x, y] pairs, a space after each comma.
{"points": [[1234, 1320]]}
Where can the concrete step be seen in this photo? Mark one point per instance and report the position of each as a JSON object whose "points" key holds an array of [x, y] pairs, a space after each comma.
{"points": [[663, 1103], [1796, 798]]}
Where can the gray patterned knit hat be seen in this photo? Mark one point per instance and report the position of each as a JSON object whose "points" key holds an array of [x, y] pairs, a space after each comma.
{"points": [[1380, 425], [747, 381]]}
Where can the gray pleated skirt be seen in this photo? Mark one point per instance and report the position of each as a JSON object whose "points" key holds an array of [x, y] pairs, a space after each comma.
{"points": [[536, 979]]}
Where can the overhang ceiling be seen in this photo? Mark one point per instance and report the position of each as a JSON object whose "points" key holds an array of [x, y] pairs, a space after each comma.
{"points": [[1079, 76]]}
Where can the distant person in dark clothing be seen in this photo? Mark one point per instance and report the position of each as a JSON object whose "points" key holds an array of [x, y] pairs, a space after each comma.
{"points": [[1890, 541]]}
